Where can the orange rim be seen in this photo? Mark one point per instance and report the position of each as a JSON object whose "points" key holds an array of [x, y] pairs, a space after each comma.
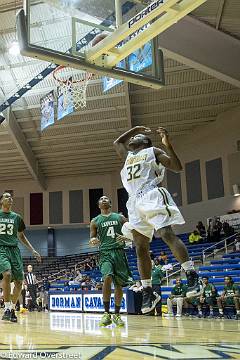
{"points": [[61, 67]]}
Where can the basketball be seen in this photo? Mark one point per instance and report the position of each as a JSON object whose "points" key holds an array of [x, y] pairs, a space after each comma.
{"points": [[98, 38]]}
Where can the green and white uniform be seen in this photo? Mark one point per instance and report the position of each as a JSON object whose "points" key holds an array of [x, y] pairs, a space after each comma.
{"points": [[210, 294], [231, 289], [10, 256], [112, 259]]}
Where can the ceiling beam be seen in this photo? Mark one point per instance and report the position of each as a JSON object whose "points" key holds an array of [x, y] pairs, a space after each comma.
{"points": [[217, 108], [25, 150], [220, 13], [190, 41]]}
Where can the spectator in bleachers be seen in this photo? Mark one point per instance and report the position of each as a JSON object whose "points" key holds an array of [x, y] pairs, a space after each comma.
{"points": [[208, 297], [177, 296], [227, 229], [230, 297], [98, 286], [157, 276], [87, 284], [201, 229], [78, 277], [214, 229], [237, 243], [151, 254], [194, 237], [163, 259]]}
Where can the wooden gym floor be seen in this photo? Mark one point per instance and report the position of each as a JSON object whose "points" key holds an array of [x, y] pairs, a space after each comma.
{"points": [[77, 336]]}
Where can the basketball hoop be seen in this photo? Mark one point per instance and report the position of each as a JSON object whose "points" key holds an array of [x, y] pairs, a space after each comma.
{"points": [[72, 85]]}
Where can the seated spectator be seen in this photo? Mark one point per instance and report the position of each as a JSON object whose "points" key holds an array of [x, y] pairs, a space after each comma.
{"points": [[177, 296], [98, 286], [87, 284], [230, 296], [201, 229], [194, 237], [227, 229], [208, 297], [78, 277], [163, 259], [66, 286], [137, 287]]}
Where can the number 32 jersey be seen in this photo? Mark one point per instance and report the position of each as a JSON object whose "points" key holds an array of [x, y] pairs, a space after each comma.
{"points": [[10, 224], [141, 171]]}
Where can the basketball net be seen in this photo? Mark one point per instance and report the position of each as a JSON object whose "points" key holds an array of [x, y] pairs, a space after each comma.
{"points": [[72, 85]]}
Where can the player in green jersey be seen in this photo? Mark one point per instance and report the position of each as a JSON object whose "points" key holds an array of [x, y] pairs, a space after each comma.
{"points": [[230, 296], [105, 232], [11, 266], [208, 297]]}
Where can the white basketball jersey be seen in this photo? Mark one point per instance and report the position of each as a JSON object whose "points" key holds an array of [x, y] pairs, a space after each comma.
{"points": [[141, 171]]}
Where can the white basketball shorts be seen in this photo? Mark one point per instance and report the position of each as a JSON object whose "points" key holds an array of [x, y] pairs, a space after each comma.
{"points": [[153, 211]]}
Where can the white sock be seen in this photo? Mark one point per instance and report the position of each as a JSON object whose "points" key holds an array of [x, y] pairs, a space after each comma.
{"points": [[221, 311], [187, 265], [7, 305], [146, 283], [238, 312]]}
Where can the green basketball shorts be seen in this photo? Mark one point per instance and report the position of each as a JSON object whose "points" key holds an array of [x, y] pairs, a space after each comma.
{"points": [[114, 263], [11, 259]]}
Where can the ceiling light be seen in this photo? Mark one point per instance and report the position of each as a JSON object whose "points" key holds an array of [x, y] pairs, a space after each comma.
{"points": [[236, 190], [14, 48]]}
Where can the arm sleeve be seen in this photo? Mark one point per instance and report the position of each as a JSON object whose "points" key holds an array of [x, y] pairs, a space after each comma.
{"points": [[21, 225]]}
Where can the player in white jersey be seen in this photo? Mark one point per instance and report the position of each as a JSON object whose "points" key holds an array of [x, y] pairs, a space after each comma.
{"points": [[150, 206]]}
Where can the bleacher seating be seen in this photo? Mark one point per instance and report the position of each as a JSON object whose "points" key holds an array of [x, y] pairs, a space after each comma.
{"points": [[228, 265]]}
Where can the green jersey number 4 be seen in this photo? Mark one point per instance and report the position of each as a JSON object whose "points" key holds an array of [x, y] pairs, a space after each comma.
{"points": [[111, 232]]}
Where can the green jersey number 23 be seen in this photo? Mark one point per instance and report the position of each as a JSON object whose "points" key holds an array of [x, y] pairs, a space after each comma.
{"points": [[6, 229]]}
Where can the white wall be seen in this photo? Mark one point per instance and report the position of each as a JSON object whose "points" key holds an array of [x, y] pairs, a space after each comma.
{"points": [[219, 139]]}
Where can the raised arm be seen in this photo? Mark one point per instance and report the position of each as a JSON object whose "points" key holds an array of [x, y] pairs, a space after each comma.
{"points": [[120, 143], [170, 160]]}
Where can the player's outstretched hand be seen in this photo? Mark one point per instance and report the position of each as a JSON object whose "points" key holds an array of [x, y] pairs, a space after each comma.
{"points": [[94, 242], [37, 256], [163, 135], [143, 129]]}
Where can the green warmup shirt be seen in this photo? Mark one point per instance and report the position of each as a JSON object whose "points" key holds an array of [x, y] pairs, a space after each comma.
{"points": [[10, 224], [108, 226], [208, 291], [157, 275], [179, 290], [231, 289]]}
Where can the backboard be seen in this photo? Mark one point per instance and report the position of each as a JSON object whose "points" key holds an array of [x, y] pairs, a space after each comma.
{"points": [[62, 31]]}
